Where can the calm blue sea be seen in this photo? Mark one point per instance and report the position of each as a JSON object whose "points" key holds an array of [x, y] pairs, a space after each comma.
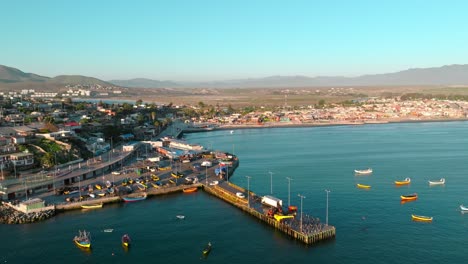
{"points": [[372, 225]]}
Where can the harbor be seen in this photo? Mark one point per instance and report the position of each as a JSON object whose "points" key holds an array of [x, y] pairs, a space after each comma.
{"points": [[213, 178]]}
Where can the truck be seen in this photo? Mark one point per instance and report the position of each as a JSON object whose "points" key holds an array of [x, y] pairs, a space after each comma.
{"points": [[272, 201]]}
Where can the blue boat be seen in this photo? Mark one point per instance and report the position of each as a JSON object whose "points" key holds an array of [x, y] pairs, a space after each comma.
{"points": [[135, 198]]}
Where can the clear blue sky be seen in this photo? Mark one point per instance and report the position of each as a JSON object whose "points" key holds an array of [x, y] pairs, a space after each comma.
{"points": [[223, 39]]}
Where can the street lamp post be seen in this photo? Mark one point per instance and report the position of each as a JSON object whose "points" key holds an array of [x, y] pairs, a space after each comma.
{"points": [[248, 190], [289, 190], [271, 182], [326, 216], [206, 175], [302, 197]]}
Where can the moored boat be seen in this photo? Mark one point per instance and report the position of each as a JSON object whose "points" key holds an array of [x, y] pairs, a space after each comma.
{"points": [[362, 186], [83, 239], [409, 197], [190, 190], [404, 182], [135, 198], [463, 208], [439, 182], [363, 172], [180, 217], [421, 218], [126, 240], [91, 206], [177, 174]]}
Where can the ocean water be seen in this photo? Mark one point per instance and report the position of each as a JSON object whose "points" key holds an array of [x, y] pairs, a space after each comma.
{"points": [[372, 225]]}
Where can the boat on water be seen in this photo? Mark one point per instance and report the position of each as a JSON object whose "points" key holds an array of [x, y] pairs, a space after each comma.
{"points": [[180, 217], [135, 198], [91, 206], [190, 190], [207, 249], [409, 197], [126, 240], [83, 239], [439, 182], [404, 182], [463, 208], [421, 218], [363, 172], [109, 230], [362, 186]]}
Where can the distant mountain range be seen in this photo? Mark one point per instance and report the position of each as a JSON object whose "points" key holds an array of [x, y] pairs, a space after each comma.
{"points": [[446, 75], [12, 75]]}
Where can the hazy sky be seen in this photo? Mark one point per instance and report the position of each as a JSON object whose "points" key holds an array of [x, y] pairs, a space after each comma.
{"points": [[224, 39]]}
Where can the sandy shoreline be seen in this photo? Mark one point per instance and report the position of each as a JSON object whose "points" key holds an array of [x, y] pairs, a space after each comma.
{"points": [[290, 124]]}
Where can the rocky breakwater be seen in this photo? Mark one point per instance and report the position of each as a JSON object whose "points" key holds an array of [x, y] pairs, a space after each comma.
{"points": [[9, 215]]}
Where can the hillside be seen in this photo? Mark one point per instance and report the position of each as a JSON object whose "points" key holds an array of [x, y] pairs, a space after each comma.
{"points": [[12, 75], [78, 79]]}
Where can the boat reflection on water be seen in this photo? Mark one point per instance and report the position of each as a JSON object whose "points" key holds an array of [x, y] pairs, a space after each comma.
{"points": [[86, 251]]}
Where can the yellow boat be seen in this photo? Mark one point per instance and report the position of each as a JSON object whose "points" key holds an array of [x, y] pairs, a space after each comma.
{"points": [[281, 217], [154, 177], [405, 182], [409, 197], [421, 218], [155, 185], [362, 186], [91, 206]]}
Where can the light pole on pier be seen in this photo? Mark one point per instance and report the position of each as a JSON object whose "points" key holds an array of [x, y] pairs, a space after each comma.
{"points": [[248, 190], [271, 182], [289, 190], [206, 175], [326, 216], [302, 197]]}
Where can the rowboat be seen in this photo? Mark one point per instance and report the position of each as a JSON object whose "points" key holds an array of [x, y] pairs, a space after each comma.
{"points": [[405, 182], [362, 186], [141, 186], [190, 190], [362, 172], [180, 217], [83, 239], [155, 185], [409, 197], [135, 198], [463, 208], [439, 182], [177, 174], [109, 230], [207, 249], [126, 240], [421, 218], [91, 206]]}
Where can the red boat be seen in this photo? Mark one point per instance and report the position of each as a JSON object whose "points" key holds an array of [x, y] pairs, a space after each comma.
{"points": [[190, 190]]}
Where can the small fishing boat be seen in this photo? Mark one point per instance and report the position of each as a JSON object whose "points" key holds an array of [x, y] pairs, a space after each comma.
{"points": [[180, 217], [404, 182], [362, 186], [190, 190], [98, 186], [463, 208], [91, 206], [421, 218], [240, 195], [439, 182], [363, 172], [207, 249], [135, 198], [109, 230], [141, 186], [126, 240], [214, 183], [155, 185], [409, 197], [177, 175], [83, 239], [154, 177]]}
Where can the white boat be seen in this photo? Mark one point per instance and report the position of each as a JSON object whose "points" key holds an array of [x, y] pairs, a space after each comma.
{"points": [[463, 208], [108, 230], [240, 195], [367, 171], [439, 182], [214, 183], [180, 216]]}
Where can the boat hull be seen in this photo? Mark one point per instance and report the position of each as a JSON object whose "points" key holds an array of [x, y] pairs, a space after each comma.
{"points": [[190, 190], [362, 186], [421, 218], [407, 198], [134, 198], [91, 206], [82, 245], [463, 208]]}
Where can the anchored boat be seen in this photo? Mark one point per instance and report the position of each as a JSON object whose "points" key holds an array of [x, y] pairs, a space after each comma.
{"points": [[404, 182], [409, 197], [439, 182], [362, 186], [363, 172], [421, 218], [207, 249], [463, 208], [83, 239]]}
